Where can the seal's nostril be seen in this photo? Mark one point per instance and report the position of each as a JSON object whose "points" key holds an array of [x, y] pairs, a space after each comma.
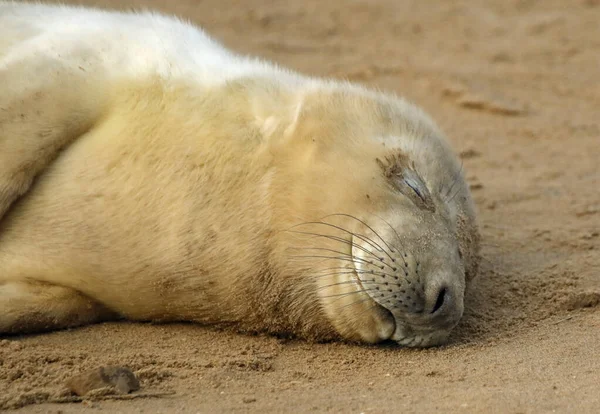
{"points": [[440, 300]]}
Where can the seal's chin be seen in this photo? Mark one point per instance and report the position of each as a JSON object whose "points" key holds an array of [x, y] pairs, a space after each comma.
{"points": [[405, 336], [399, 331]]}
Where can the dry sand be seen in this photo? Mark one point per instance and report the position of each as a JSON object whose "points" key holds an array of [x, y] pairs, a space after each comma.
{"points": [[516, 86]]}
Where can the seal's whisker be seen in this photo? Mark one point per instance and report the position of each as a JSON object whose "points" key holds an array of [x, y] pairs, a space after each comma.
{"points": [[457, 192], [335, 238], [357, 302], [359, 236], [380, 259], [347, 282], [453, 182], [317, 274], [355, 292], [349, 270], [331, 269], [348, 259], [324, 249], [367, 226], [397, 237], [343, 257]]}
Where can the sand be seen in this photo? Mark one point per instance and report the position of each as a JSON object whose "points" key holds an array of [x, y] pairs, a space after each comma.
{"points": [[515, 84]]}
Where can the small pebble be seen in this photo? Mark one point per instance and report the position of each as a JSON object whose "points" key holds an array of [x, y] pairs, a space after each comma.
{"points": [[122, 380]]}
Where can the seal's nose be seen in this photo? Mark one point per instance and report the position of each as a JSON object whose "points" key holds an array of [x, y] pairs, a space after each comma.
{"points": [[441, 308], [440, 299], [443, 305]]}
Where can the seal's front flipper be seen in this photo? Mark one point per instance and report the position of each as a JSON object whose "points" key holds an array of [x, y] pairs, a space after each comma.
{"points": [[28, 307], [45, 104]]}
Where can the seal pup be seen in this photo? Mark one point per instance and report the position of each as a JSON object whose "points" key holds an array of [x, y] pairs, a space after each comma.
{"points": [[148, 173]]}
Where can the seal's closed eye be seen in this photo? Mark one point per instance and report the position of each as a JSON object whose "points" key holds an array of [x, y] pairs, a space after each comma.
{"points": [[404, 177], [412, 179], [415, 186]]}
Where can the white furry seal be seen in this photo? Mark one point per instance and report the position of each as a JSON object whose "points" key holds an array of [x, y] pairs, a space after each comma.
{"points": [[148, 173]]}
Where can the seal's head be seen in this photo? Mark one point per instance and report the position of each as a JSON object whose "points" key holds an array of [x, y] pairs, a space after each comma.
{"points": [[379, 219]]}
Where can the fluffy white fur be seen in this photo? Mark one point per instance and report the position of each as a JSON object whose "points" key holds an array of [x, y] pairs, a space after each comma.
{"points": [[146, 172]]}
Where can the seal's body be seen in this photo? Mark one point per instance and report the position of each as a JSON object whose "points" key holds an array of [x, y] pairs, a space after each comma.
{"points": [[148, 173]]}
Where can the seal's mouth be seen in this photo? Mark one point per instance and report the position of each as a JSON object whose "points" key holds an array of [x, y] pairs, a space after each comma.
{"points": [[417, 305], [405, 333], [402, 334]]}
